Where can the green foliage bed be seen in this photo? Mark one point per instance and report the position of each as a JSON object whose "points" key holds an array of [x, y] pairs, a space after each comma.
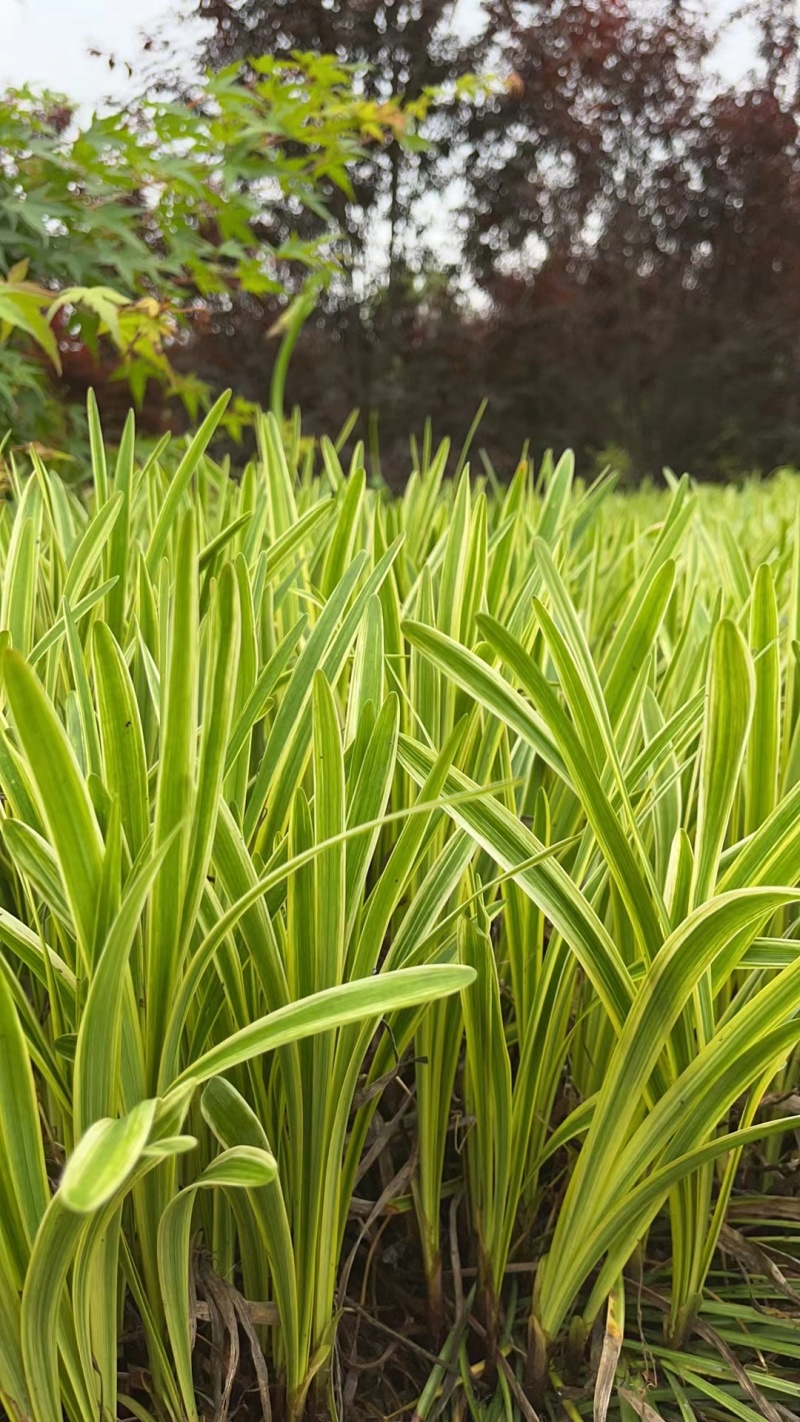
{"points": [[399, 971]]}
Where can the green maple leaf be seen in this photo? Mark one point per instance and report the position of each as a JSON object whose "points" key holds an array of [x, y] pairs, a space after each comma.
{"points": [[102, 300]]}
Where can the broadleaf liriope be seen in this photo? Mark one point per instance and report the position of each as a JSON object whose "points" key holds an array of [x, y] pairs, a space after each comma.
{"points": [[64, 802]]}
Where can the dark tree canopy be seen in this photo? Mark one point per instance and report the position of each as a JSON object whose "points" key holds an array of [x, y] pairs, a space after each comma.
{"points": [[589, 134], [627, 222]]}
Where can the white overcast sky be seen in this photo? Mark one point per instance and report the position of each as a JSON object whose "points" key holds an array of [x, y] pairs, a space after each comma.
{"points": [[46, 42]]}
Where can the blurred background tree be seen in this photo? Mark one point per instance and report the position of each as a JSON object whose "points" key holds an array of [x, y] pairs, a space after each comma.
{"points": [[605, 244], [621, 263], [385, 247]]}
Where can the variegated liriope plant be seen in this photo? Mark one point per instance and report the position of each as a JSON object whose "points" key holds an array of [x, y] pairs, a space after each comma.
{"points": [[299, 781], [194, 913]]}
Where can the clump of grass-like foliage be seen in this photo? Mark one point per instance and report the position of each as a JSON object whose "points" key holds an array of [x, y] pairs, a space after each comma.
{"points": [[398, 953]]}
